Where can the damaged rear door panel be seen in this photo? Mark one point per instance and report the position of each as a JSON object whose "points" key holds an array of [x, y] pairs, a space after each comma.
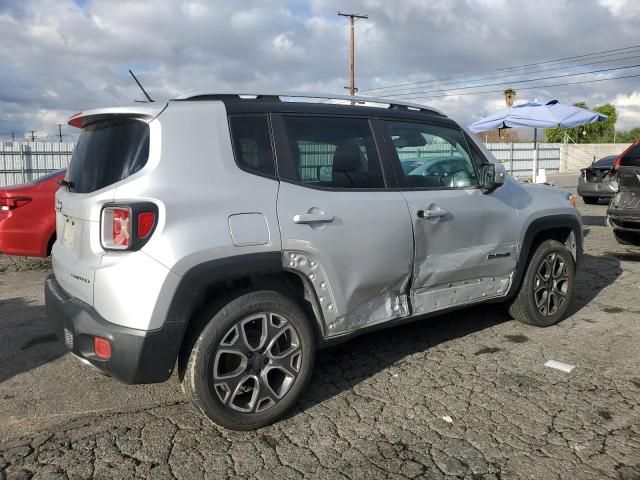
{"points": [[341, 229]]}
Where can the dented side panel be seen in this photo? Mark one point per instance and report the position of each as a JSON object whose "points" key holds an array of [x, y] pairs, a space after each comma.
{"points": [[477, 238], [360, 262]]}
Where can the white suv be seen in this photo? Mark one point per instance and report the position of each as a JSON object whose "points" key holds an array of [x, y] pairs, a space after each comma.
{"points": [[233, 235]]}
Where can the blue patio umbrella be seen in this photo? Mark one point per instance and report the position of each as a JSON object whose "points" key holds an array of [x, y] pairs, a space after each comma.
{"points": [[537, 115]]}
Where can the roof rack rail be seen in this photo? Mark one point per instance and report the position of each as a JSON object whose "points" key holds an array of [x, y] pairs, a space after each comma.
{"points": [[278, 97]]}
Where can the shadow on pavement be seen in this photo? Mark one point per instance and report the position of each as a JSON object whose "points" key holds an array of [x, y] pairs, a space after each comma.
{"points": [[594, 220], [26, 341], [594, 274], [344, 366]]}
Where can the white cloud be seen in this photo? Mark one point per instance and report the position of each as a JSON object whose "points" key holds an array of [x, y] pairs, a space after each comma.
{"points": [[628, 107], [61, 58], [622, 7]]}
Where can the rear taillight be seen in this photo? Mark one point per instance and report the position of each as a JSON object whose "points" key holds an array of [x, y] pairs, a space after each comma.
{"points": [[127, 227], [11, 203], [116, 228]]}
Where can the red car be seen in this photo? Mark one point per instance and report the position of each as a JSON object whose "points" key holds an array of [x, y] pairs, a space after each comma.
{"points": [[27, 217]]}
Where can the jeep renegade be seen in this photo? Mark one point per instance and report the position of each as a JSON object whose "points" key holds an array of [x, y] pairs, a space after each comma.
{"points": [[230, 236]]}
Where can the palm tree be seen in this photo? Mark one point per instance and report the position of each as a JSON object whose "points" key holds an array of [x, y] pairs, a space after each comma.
{"points": [[509, 97]]}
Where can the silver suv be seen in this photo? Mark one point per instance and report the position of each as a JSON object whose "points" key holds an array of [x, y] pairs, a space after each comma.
{"points": [[230, 236]]}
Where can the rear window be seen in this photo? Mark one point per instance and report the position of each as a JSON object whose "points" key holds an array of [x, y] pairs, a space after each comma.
{"points": [[631, 157], [605, 161], [107, 152]]}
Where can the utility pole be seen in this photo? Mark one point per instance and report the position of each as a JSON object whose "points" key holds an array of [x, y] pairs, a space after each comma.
{"points": [[13, 136], [59, 131], [33, 135], [352, 48]]}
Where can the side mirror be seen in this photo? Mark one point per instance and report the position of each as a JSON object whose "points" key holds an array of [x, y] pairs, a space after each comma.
{"points": [[491, 176]]}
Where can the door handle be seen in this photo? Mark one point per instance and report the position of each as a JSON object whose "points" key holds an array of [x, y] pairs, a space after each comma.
{"points": [[426, 214], [303, 218]]}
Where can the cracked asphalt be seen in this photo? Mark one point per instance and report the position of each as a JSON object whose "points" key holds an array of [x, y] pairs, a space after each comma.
{"points": [[464, 395]]}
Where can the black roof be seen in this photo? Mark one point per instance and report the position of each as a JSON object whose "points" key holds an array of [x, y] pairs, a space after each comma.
{"points": [[272, 104]]}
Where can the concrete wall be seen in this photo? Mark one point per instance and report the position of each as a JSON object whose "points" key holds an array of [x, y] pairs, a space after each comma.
{"points": [[573, 157]]}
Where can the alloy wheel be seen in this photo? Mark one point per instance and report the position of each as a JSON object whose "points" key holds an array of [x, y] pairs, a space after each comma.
{"points": [[257, 362], [551, 284]]}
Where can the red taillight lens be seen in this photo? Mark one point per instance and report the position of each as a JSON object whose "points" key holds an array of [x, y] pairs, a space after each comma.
{"points": [[11, 203], [102, 347], [121, 231], [146, 221], [116, 228]]}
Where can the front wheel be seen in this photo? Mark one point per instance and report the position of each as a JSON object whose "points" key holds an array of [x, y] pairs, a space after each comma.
{"points": [[590, 200], [251, 361], [547, 286]]}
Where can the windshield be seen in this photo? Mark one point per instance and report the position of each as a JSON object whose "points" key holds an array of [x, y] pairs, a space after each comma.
{"points": [[108, 151]]}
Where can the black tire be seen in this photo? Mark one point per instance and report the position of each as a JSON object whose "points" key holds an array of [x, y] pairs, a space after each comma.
{"points": [[627, 238], [243, 316], [590, 200], [531, 305]]}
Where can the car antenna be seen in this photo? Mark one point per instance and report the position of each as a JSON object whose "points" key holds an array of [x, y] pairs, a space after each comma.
{"points": [[149, 99]]}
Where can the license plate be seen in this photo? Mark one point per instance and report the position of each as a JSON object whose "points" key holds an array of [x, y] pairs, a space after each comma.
{"points": [[69, 233]]}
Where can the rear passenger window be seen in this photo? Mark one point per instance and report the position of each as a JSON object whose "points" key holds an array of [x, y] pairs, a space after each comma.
{"points": [[332, 153], [252, 144]]}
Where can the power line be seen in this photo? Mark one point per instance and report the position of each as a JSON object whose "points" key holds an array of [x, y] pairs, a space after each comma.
{"points": [[595, 55], [518, 81], [565, 67], [494, 71], [525, 88]]}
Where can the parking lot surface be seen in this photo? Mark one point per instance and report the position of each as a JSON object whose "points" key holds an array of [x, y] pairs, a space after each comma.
{"points": [[464, 395]]}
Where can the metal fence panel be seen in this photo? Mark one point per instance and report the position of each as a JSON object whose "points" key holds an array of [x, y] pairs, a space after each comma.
{"points": [[518, 157], [22, 162]]}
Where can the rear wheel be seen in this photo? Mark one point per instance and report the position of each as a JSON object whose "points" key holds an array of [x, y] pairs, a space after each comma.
{"points": [[590, 200], [547, 286], [627, 238], [251, 361]]}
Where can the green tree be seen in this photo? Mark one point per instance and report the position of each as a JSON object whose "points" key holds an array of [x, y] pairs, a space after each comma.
{"points": [[591, 133], [629, 136]]}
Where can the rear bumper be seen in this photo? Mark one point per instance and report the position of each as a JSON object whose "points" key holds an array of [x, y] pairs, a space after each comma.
{"points": [[137, 356], [625, 220], [588, 189]]}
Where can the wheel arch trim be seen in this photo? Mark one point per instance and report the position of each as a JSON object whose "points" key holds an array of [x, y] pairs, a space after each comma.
{"points": [[187, 296], [548, 223]]}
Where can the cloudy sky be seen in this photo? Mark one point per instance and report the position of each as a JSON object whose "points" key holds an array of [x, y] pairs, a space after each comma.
{"points": [[62, 56]]}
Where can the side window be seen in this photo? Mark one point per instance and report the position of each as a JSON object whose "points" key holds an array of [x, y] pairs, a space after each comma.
{"points": [[332, 153], [252, 143], [432, 156]]}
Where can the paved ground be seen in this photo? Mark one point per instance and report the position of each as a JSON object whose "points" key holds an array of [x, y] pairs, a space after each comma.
{"points": [[465, 395]]}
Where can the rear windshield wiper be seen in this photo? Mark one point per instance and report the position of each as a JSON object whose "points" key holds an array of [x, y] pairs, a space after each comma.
{"points": [[65, 183]]}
